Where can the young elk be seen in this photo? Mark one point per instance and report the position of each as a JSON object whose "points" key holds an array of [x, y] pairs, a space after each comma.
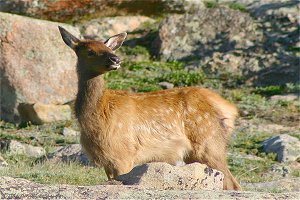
{"points": [[120, 129]]}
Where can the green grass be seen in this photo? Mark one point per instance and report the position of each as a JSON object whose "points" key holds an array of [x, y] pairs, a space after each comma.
{"points": [[276, 89], [246, 143], [237, 6], [145, 76], [247, 170], [48, 135], [72, 173], [210, 3], [294, 49], [232, 5], [296, 173], [250, 170], [258, 105], [137, 50]]}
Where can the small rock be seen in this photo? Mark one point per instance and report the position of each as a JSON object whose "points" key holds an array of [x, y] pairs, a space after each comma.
{"points": [[193, 176], [286, 97], [285, 146], [282, 170], [69, 153], [69, 132], [166, 85], [39, 113], [16, 147]]}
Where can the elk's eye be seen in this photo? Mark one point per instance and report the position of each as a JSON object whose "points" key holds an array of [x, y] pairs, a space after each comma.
{"points": [[91, 53]]}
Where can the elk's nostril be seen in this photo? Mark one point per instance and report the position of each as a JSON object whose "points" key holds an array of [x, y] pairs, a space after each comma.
{"points": [[115, 60]]}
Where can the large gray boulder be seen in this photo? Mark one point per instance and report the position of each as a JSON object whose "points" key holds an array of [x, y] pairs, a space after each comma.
{"points": [[193, 176], [285, 146], [201, 33], [259, 49], [35, 64]]}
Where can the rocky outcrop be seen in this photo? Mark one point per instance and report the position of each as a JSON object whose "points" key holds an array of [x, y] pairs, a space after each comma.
{"points": [[15, 188], [35, 64], [103, 28], [39, 113], [285, 146], [218, 40], [269, 8], [66, 10], [288, 72], [190, 36], [259, 49], [194, 176], [69, 153], [16, 147]]}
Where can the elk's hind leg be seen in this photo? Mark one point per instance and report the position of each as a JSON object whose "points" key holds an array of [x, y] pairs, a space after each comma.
{"points": [[220, 163], [214, 156], [109, 173], [120, 168]]}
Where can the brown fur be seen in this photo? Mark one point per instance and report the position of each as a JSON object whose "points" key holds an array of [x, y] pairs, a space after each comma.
{"points": [[120, 130]]}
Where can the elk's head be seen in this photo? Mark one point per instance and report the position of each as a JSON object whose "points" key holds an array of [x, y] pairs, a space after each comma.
{"points": [[95, 57]]}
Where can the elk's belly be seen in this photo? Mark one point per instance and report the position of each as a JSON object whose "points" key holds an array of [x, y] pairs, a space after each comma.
{"points": [[160, 142]]}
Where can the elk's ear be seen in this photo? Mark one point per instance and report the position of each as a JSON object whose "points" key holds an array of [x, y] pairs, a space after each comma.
{"points": [[68, 38], [115, 41]]}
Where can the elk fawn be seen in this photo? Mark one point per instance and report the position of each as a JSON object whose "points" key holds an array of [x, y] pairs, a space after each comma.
{"points": [[120, 130]]}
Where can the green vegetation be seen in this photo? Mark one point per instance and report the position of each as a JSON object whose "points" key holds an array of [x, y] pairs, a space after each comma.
{"points": [[260, 106], [294, 49], [48, 135], [245, 168], [137, 50], [232, 5], [145, 76], [276, 89], [237, 6], [250, 170], [51, 173], [296, 173], [210, 3], [250, 144]]}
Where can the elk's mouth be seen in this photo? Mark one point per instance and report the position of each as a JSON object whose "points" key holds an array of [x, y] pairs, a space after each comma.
{"points": [[114, 63], [114, 67]]}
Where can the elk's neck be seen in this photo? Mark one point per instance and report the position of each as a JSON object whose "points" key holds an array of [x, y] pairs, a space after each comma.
{"points": [[90, 92]]}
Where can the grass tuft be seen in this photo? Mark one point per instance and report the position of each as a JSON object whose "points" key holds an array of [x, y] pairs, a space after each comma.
{"points": [[145, 76], [71, 173]]}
